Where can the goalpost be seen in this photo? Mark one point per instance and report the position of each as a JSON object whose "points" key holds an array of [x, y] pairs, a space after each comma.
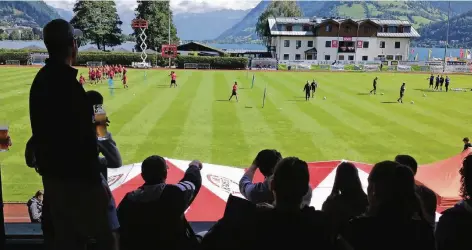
{"points": [[94, 64], [197, 66], [38, 58], [13, 62]]}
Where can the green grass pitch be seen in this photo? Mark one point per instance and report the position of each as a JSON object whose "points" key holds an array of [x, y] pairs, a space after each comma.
{"points": [[195, 120]]}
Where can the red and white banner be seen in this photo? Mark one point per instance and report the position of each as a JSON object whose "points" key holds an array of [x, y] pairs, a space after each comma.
{"points": [[334, 43], [359, 44]]}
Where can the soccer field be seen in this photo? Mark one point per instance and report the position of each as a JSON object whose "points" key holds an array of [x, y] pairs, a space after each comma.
{"points": [[195, 120]]}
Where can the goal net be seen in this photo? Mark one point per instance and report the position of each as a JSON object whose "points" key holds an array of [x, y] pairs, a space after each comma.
{"points": [[38, 58], [371, 67], [12, 62], [404, 68], [197, 66], [94, 64]]}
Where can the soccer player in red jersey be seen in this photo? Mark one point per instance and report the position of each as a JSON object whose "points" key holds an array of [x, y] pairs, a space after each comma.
{"points": [[173, 78], [82, 79], [92, 75], [235, 92], [124, 70], [125, 83]]}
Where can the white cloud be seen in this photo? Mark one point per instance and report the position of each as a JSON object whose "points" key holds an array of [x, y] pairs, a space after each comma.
{"points": [[178, 6]]}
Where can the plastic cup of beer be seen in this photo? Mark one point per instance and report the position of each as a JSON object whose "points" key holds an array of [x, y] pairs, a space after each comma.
{"points": [[101, 121], [4, 141]]}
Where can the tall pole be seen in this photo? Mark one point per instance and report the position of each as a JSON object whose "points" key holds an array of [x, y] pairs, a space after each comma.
{"points": [[447, 36], [169, 34]]}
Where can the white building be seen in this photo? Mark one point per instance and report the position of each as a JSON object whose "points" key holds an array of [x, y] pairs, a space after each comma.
{"points": [[343, 40]]}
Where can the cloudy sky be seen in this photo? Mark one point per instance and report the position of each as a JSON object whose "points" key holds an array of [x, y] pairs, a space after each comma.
{"points": [[178, 6]]}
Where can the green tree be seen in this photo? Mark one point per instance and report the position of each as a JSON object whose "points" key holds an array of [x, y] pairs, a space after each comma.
{"points": [[157, 14], [15, 35], [99, 22], [275, 9]]}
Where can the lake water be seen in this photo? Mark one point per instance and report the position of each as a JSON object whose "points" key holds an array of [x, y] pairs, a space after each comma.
{"points": [[422, 52]]}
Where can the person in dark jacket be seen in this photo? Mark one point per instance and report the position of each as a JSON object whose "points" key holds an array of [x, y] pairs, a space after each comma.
{"points": [[395, 216], [35, 207], [59, 112], [249, 226], [347, 199], [153, 216], [427, 196], [467, 143], [260, 192], [453, 229]]}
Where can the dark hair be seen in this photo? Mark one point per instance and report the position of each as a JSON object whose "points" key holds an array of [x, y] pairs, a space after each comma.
{"points": [[290, 180], [347, 182], [58, 38], [94, 97], [394, 194], [154, 170], [408, 161], [38, 193], [466, 178], [466, 139], [266, 161]]}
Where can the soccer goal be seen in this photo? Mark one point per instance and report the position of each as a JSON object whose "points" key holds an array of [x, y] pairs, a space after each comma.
{"points": [[12, 62], [94, 64], [197, 66], [38, 58]]}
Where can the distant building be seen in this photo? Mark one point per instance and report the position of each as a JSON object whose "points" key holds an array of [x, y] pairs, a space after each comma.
{"points": [[337, 39]]}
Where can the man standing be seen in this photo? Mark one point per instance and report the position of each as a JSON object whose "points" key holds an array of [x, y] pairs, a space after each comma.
{"points": [[59, 110], [402, 92], [307, 91], [431, 81], [234, 92], [314, 85], [436, 87], [441, 82], [466, 143], [447, 83], [374, 85], [173, 78]]}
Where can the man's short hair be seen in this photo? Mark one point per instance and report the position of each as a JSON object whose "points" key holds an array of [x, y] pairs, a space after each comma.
{"points": [[38, 193], [291, 180], [154, 169], [94, 97], [266, 161], [58, 37], [408, 161], [466, 139]]}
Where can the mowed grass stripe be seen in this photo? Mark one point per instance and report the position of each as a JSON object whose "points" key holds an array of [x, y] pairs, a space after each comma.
{"points": [[298, 129], [194, 141], [229, 145], [253, 123], [169, 115]]}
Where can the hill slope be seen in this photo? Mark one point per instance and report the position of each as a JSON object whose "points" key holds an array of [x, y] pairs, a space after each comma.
{"points": [[420, 13], [26, 13], [460, 32]]}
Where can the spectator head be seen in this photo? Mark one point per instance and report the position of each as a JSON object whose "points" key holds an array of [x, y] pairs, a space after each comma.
{"points": [[61, 40], [391, 191], [466, 140], [466, 178], [39, 195], [408, 161], [290, 182], [94, 97], [266, 161], [347, 181], [154, 170]]}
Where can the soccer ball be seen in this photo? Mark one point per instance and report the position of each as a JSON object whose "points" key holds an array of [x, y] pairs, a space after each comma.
{"points": [[424, 95], [412, 102], [324, 98], [382, 93]]}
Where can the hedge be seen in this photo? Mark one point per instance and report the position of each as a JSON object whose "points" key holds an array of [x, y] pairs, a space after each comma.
{"points": [[127, 58]]}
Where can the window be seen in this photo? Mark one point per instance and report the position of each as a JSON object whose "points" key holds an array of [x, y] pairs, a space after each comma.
{"points": [[309, 57], [400, 29], [382, 44], [398, 57], [306, 28], [328, 44], [341, 57], [288, 28], [389, 57], [366, 45], [329, 28], [350, 58], [367, 30], [381, 56], [298, 43], [310, 44], [365, 58], [286, 57], [347, 29], [346, 47], [397, 45], [327, 57], [297, 57], [286, 43]]}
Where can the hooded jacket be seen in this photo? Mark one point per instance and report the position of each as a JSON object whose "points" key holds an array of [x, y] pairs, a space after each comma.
{"points": [[453, 229]]}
